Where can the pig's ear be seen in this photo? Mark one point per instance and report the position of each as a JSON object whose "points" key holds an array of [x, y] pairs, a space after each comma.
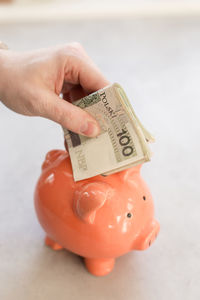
{"points": [[89, 198], [128, 173], [52, 156]]}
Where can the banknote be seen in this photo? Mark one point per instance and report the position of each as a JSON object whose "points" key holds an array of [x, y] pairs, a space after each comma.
{"points": [[122, 143]]}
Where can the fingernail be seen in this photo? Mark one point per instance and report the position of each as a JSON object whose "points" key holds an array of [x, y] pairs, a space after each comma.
{"points": [[90, 129]]}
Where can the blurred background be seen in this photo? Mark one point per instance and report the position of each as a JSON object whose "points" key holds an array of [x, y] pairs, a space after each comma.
{"points": [[42, 10], [152, 48]]}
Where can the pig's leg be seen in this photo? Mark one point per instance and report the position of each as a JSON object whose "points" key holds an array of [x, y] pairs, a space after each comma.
{"points": [[99, 266], [49, 242]]}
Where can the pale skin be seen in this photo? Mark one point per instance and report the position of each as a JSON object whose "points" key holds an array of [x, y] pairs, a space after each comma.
{"points": [[31, 84]]}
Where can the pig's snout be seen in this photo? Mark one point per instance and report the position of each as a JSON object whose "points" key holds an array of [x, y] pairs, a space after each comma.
{"points": [[149, 236]]}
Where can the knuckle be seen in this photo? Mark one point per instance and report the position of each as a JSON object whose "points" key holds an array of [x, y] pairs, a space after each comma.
{"points": [[74, 49], [76, 45]]}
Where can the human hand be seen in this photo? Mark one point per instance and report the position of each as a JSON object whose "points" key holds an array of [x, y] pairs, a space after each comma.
{"points": [[31, 82]]}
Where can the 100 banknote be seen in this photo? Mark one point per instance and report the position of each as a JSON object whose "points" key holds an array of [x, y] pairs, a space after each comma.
{"points": [[122, 143]]}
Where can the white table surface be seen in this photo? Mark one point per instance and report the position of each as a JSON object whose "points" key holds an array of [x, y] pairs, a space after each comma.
{"points": [[157, 61]]}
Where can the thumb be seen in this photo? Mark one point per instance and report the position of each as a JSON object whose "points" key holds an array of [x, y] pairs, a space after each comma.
{"points": [[70, 116]]}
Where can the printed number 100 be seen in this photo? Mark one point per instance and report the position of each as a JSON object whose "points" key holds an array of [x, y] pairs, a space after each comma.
{"points": [[124, 141]]}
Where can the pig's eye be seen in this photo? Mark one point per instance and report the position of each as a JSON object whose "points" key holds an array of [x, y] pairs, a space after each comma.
{"points": [[144, 198], [129, 215]]}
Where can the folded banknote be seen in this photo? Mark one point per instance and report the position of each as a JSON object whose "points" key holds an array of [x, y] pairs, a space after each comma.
{"points": [[122, 143]]}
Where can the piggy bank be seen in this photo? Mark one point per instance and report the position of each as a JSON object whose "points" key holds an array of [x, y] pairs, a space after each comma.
{"points": [[99, 218]]}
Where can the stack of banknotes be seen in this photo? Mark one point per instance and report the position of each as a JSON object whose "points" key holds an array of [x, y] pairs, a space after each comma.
{"points": [[122, 143]]}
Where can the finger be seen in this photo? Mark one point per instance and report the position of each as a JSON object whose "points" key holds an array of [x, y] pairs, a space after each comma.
{"points": [[90, 77], [70, 116], [80, 69]]}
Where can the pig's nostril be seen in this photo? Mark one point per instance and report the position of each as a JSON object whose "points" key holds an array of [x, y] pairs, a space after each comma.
{"points": [[129, 215], [149, 243]]}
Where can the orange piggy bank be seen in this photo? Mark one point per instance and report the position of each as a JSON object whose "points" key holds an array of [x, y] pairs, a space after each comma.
{"points": [[99, 218]]}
